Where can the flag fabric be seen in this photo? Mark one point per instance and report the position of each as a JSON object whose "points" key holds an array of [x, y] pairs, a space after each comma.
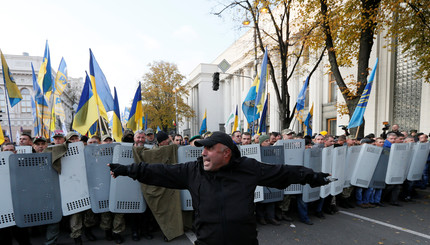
{"points": [[53, 118], [93, 129], [58, 107], [308, 121], [204, 127], [261, 94], [117, 130], [236, 121], [300, 106], [86, 114], [100, 87], [36, 123], [11, 88], [136, 113], [60, 79], [1, 135], [262, 127], [357, 117], [158, 129], [230, 120], [45, 77], [125, 115], [248, 106], [146, 122], [38, 95]]}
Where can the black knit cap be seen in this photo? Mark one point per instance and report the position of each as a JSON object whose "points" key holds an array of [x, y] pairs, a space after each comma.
{"points": [[161, 136], [219, 137]]}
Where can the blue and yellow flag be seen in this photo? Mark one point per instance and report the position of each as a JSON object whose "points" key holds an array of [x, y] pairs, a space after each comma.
{"points": [[261, 94], [38, 95], [117, 130], [100, 87], [300, 106], [86, 114], [263, 125], [357, 117], [308, 121], [136, 113], [203, 127], [45, 77], [236, 120], [36, 121], [248, 106], [60, 79], [11, 88]]}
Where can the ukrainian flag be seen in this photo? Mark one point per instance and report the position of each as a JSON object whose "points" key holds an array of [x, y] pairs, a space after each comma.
{"points": [[45, 78], [116, 122], [204, 127], [35, 118], [60, 79], [300, 106], [263, 125], [86, 114], [12, 90], [248, 106], [100, 87], [308, 121], [357, 117], [136, 113], [236, 121], [259, 101]]}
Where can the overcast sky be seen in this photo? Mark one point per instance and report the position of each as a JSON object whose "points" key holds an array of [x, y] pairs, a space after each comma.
{"points": [[125, 36]]}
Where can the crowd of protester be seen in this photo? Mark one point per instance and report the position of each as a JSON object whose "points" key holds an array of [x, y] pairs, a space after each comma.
{"points": [[292, 206]]}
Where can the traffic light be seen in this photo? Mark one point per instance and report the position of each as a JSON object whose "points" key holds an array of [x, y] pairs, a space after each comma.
{"points": [[215, 81]]}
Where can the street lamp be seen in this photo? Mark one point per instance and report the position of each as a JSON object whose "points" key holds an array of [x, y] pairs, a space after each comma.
{"points": [[246, 22], [176, 90]]}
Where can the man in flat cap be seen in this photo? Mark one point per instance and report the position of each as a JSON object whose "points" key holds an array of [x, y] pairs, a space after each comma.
{"points": [[222, 185]]}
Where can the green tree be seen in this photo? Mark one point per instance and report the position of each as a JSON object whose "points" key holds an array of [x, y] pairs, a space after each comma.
{"points": [[349, 28], [158, 97], [408, 22]]}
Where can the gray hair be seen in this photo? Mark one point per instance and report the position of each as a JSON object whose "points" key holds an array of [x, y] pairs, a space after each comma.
{"points": [[140, 131]]}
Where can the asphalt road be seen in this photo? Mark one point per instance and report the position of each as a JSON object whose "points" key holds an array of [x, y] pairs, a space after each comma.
{"points": [[408, 224]]}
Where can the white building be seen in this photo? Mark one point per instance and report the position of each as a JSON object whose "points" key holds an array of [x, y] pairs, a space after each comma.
{"points": [[21, 119], [396, 97]]}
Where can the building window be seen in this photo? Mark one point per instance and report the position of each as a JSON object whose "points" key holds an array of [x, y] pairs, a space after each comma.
{"points": [[332, 88], [26, 101], [331, 126]]}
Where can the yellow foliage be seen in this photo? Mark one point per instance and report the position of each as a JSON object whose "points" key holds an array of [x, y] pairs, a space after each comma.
{"points": [[158, 95]]}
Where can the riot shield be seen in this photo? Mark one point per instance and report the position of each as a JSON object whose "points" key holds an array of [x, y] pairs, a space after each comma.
{"points": [[35, 189]]}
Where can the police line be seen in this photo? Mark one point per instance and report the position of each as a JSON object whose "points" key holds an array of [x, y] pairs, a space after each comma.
{"points": [[33, 193]]}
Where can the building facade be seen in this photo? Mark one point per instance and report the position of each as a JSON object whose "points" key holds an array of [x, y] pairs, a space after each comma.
{"points": [[21, 118], [397, 96]]}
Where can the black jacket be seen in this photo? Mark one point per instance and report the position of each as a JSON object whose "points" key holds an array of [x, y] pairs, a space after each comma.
{"points": [[223, 201]]}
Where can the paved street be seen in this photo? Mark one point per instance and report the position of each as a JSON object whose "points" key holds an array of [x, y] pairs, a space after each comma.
{"points": [[408, 224]]}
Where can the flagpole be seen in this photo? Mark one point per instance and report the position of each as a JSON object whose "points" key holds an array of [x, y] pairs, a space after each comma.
{"points": [[356, 134], [52, 114], [7, 108]]}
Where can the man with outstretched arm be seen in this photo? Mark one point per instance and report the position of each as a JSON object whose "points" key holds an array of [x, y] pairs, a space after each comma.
{"points": [[222, 185]]}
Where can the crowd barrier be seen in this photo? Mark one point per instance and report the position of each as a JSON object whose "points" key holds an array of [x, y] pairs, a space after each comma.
{"points": [[33, 193]]}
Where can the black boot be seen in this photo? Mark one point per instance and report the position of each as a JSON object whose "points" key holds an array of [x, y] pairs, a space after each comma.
{"points": [[108, 235], [78, 241], [89, 234], [117, 238]]}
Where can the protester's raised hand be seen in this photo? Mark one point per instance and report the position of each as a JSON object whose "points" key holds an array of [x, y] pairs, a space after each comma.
{"points": [[319, 179], [118, 170]]}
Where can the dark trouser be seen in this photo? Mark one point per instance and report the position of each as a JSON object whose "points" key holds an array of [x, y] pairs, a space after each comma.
{"points": [[20, 234]]}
